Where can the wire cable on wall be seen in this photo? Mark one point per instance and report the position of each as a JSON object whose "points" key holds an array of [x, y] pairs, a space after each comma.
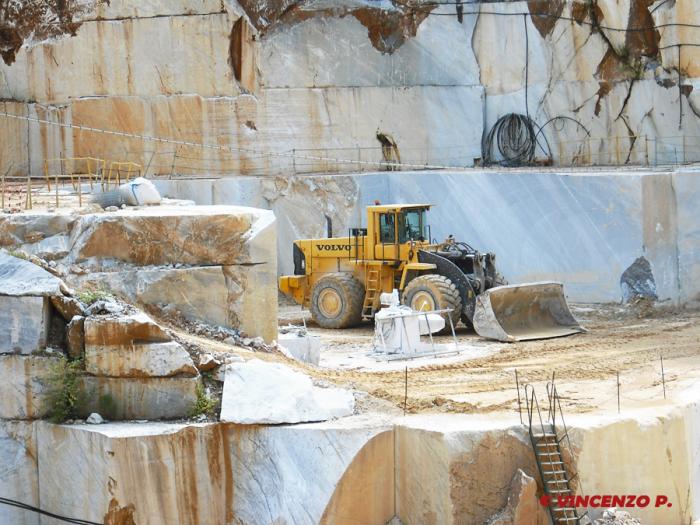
{"points": [[513, 137], [30, 508]]}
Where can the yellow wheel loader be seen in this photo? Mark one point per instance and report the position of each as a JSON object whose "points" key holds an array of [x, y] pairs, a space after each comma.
{"points": [[340, 279]]}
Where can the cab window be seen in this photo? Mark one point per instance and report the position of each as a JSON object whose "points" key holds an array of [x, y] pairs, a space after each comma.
{"points": [[387, 231], [411, 226]]}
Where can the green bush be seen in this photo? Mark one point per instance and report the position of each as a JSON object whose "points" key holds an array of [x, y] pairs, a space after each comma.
{"points": [[88, 297], [204, 404], [65, 395]]}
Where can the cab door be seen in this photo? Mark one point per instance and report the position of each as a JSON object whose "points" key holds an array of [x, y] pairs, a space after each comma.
{"points": [[386, 245]]}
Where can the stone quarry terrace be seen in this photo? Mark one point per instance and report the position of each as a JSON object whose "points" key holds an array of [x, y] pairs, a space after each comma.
{"points": [[180, 310]]}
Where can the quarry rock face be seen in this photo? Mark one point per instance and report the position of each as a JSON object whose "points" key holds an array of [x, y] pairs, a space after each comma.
{"points": [[523, 504], [23, 383], [256, 392], [213, 264], [615, 217], [421, 469], [19, 465], [280, 79], [140, 397], [245, 474], [139, 360], [27, 322]]}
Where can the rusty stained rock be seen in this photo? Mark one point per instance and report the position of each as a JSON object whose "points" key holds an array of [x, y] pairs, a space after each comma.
{"points": [[388, 29], [38, 20], [544, 14], [117, 515]]}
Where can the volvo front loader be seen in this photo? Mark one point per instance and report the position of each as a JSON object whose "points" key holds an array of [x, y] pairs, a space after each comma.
{"points": [[340, 279]]}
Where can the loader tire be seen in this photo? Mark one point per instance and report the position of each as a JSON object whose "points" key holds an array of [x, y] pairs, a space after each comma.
{"points": [[434, 292], [336, 301]]}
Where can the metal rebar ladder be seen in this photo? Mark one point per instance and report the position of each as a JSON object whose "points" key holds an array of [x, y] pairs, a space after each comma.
{"points": [[549, 437]]}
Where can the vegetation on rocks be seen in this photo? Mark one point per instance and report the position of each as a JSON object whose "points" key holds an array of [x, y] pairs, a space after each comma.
{"points": [[65, 394]]}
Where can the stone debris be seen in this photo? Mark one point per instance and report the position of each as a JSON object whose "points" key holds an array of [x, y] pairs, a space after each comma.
{"points": [[94, 419], [616, 517], [256, 392], [219, 374], [207, 362], [68, 307], [104, 306]]}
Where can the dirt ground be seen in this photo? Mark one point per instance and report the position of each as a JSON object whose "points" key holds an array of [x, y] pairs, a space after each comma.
{"points": [[624, 340], [627, 340]]}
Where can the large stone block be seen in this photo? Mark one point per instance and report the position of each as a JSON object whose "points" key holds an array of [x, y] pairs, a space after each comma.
{"points": [[465, 464], [25, 321], [158, 235], [240, 296], [304, 348], [29, 229], [141, 398], [330, 473], [256, 392], [19, 472], [122, 330], [19, 277], [252, 298], [139, 360], [23, 383], [199, 293]]}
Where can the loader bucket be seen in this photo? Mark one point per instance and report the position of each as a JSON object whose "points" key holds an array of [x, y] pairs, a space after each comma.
{"points": [[524, 311]]}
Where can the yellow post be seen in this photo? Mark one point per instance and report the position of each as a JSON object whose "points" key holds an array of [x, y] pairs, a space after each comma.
{"points": [[28, 204], [80, 192], [46, 174]]}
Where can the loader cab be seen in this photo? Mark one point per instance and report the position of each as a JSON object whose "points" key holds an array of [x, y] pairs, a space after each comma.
{"points": [[392, 228]]}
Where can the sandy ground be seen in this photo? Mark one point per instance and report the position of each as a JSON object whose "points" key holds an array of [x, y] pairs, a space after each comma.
{"points": [[624, 340]]}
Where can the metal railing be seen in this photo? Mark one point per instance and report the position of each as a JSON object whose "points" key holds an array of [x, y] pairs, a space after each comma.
{"points": [[65, 181]]}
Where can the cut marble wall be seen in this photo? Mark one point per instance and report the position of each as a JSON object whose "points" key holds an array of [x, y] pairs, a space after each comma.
{"points": [[436, 93], [19, 471], [583, 229]]}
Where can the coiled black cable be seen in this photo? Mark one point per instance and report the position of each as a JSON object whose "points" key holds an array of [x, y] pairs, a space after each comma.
{"points": [[515, 140]]}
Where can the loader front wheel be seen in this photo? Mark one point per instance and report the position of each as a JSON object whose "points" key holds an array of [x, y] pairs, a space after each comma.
{"points": [[336, 301], [434, 292]]}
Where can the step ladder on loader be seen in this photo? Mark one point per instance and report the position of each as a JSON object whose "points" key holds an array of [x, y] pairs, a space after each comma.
{"points": [[373, 277], [550, 437]]}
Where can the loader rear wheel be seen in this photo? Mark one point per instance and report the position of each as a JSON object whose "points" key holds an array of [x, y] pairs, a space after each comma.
{"points": [[336, 301], [434, 292]]}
